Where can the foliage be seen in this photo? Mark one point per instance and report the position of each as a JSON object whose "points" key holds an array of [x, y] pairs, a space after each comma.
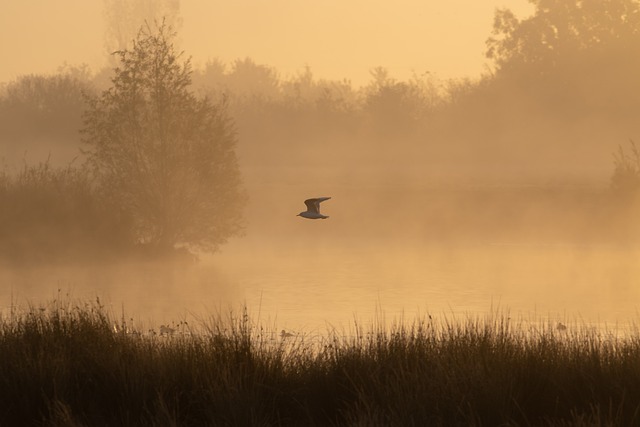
{"points": [[67, 363], [52, 214], [40, 115], [396, 108], [559, 29], [162, 154], [123, 19], [571, 59], [626, 174], [565, 84]]}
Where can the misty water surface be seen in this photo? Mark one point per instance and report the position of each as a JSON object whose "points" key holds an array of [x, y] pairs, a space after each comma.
{"points": [[361, 264]]}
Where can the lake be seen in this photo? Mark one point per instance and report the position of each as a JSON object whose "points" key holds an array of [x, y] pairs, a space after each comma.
{"points": [[306, 275], [297, 289]]}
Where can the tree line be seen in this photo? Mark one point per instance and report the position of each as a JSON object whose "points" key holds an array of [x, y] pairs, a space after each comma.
{"points": [[559, 97]]}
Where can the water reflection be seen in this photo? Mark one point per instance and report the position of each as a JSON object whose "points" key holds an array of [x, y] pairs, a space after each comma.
{"points": [[301, 290]]}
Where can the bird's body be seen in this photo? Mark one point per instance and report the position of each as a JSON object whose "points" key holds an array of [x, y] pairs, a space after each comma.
{"points": [[313, 208]]}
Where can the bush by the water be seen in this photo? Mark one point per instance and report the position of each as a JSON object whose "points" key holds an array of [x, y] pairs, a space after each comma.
{"points": [[73, 364], [49, 214]]}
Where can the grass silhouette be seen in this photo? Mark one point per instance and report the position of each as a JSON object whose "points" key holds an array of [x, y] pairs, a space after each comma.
{"points": [[69, 363]]}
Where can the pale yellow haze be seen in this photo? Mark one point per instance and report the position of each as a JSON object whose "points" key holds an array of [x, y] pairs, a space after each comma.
{"points": [[337, 39]]}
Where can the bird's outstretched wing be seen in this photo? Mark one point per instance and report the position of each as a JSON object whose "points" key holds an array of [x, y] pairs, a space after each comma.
{"points": [[313, 205]]}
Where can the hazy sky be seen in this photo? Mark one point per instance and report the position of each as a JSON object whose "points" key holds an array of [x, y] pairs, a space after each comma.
{"points": [[336, 38]]}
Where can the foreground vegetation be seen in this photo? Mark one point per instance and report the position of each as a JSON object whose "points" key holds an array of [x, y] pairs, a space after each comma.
{"points": [[73, 364]]}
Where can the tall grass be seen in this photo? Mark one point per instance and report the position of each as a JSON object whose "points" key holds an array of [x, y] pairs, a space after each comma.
{"points": [[53, 214], [73, 364]]}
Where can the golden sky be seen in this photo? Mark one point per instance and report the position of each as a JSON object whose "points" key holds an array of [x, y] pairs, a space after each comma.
{"points": [[336, 38]]}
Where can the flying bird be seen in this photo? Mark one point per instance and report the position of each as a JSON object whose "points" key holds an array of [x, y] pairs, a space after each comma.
{"points": [[313, 208]]}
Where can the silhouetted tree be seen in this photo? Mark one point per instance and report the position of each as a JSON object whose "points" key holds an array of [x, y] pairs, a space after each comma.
{"points": [[568, 74], [211, 77], [559, 29], [124, 18], [626, 175], [249, 79], [41, 114], [163, 155], [393, 107]]}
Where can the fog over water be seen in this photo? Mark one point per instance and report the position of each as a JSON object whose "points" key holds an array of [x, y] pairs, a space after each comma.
{"points": [[359, 266], [514, 192]]}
